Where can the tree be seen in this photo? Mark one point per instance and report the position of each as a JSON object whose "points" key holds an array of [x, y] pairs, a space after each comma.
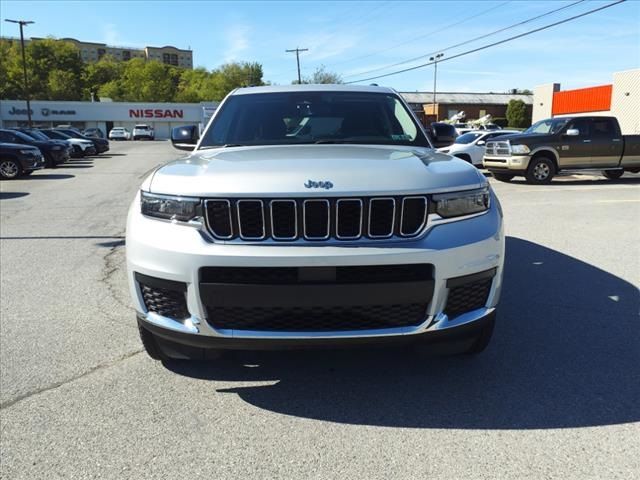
{"points": [[101, 73], [321, 76], [517, 114], [54, 69]]}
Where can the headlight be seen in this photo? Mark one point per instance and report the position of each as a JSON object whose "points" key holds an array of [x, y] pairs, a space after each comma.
{"points": [[27, 151], [457, 204], [56, 147], [168, 207], [519, 149]]}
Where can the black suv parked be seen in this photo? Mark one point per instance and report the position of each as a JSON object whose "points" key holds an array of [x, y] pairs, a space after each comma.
{"points": [[101, 144], [17, 160], [53, 151]]}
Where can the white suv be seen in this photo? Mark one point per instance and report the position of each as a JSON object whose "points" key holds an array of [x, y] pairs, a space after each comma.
{"points": [[470, 146], [311, 215], [143, 131]]}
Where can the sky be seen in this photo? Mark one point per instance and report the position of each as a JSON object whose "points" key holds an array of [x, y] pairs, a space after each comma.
{"points": [[353, 37]]}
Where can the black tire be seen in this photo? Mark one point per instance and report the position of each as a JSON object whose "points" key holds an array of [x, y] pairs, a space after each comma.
{"points": [[483, 339], [541, 171], [613, 174], [10, 169], [48, 161], [149, 343], [503, 177]]}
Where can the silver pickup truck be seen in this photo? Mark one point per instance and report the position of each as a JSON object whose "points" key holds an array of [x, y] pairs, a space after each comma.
{"points": [[313, 215], [564, 144]]}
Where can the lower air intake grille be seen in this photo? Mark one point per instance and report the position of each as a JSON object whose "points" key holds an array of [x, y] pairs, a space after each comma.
{"points": [[470, 295], [317, 319], [167, 300]]}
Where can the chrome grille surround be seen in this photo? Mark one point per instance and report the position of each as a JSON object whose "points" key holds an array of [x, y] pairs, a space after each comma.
{"points": [[240, 223], [424, 218], [499, 148], [305, 222], [348, 219]]}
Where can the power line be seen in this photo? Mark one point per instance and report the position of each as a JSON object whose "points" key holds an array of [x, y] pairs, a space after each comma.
{"points": [[529, 20], [420, 37], [484, 47]]}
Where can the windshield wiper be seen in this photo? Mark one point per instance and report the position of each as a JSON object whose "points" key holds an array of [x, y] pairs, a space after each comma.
{"points": [[328, 140]]}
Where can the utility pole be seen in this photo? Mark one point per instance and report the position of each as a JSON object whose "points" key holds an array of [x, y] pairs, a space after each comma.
{"points": [[435, 75], [22, 23], [298, 50]]}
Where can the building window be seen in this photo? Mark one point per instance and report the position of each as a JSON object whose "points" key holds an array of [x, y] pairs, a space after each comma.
{"points": [[170, 58], [126, 55], [101, 52], [482, 113]]}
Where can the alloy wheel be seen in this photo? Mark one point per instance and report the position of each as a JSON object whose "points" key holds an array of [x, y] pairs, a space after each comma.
{"points": [[9, 169]]}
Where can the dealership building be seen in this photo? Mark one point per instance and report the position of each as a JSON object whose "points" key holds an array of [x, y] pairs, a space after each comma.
{"points": [[620, 99], [106, 115]]}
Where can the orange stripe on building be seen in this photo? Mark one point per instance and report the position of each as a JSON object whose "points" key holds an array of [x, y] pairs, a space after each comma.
{"points": [[592, 99]]}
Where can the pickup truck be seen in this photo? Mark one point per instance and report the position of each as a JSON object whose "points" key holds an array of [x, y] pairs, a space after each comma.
{"points": [[564, 144], [349, 230]]}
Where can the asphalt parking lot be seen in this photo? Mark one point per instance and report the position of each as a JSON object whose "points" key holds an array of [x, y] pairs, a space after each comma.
{"points": [[554, 396]]}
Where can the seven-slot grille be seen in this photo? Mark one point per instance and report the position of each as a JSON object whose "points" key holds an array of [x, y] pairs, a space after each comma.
{"points": [[316, 219], [498, 148]]}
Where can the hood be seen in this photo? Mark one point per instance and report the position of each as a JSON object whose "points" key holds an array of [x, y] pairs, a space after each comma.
{"points": [[523, 138], [17, 146], [283, 171]]}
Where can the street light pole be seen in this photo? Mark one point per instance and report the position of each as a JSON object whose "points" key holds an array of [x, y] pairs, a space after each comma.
{"points": [[22, 23], [435, 76]]}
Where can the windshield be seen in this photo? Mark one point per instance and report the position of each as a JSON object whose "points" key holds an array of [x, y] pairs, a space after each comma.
{"points": [[56, 135], [468, 137], [550, 125], [141, 127], [37, 135], [290, 118]]}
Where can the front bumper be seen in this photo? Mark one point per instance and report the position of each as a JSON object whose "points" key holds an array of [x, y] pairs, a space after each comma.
{"points": [[177, 253], [32, 162], [513, 163], [60, 156]]}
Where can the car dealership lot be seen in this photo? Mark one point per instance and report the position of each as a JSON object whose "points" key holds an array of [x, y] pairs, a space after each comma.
{"points": [[555, 395]]}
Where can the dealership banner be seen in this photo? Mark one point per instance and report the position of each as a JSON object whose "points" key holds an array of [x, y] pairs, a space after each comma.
{"points": [[104, 111]]}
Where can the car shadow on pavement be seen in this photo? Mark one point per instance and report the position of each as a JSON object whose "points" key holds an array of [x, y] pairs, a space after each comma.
{"points": [[10, 195], [565, 353], [45, 176]]}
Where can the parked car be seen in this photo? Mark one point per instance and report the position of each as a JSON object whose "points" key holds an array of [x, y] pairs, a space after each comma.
{"points": [[81, 148], [564, 144], [250, 241], [101, 144], [442, 134], [54, 152], [143, 131], [470, 146], [119, 133], [93, 132], [18, 159]]}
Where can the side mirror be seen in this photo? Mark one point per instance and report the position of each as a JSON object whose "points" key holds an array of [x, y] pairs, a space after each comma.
{"points": [[572, 132], [185, 138], [480, 143]]}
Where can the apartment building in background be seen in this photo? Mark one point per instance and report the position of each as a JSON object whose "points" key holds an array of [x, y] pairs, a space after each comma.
{"points": [[92, 52]]}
